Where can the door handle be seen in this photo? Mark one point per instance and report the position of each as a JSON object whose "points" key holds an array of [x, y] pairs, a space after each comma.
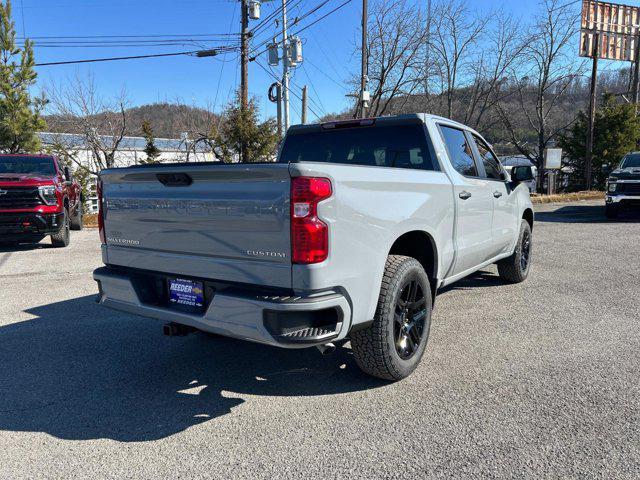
{"points": [[464, 195], [497, 194]]}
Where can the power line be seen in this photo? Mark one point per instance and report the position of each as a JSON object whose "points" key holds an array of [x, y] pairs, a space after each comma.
{"points": [[112, 3], [264, 22], [132, 45], [120, 41], [293, 90], [116, 42], [133, 57], [24, 30], [313, 87], [327, 75], [82, 37], [275, 77], [305, 27], [215, 101], [200, 45], [568, 4], [331, 63], [296, 21]]}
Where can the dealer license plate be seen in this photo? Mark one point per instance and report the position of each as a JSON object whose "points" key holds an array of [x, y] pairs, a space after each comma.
{"points": [[186, 293]]}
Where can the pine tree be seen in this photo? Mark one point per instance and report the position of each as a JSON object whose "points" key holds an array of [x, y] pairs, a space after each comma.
{"points": [[150, 149], [616, 132], [19, 113], [237, 127]]}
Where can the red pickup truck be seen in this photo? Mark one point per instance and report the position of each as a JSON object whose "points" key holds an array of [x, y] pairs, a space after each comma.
{"points": [[38, 198]]}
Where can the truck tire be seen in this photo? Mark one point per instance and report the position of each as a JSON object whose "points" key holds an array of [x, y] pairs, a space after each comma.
{"points": [[76, 222], [611, 211], [62, 238], [392, 346], [515, 269]]}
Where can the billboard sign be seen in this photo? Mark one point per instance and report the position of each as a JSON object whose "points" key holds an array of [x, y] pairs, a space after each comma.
{"points": [[614, 26]]}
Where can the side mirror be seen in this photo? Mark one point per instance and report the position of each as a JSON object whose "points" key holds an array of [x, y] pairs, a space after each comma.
{"points": [[606, 169], [521, 174], [68, 177]]}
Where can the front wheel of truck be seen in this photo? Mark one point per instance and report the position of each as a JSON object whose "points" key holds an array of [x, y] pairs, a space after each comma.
{"points": [[76, 222], [63, 237], [515, 269], [393, 345]]}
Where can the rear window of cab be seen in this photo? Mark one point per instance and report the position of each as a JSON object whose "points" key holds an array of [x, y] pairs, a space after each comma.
{"points": [[399, 146]]}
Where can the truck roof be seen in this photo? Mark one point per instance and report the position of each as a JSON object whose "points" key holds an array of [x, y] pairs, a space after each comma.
{"points": [[389, 119], [27, 155]]}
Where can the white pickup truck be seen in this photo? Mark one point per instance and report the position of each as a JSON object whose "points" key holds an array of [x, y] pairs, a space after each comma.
{"points": [[349, 235]]}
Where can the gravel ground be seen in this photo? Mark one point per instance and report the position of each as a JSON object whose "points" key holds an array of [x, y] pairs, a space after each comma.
{"points": [[537, 380]]}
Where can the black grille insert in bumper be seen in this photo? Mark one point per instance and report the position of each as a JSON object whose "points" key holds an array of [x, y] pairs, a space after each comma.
{"points": [[14, 198]]}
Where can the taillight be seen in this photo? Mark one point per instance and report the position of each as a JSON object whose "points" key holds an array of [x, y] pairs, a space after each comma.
{"points": [[309, 234], [100, 212]]}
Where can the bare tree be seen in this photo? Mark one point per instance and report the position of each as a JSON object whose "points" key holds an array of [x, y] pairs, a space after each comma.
{"points": [[102, 123], [455, 36], [200, 126], [396, 36], [539, 88], [501, 53]]}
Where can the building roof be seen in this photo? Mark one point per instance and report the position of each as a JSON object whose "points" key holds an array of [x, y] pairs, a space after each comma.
{"points": [[128, 143]]}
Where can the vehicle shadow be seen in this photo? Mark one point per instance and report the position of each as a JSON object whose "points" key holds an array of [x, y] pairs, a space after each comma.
{"points": [[79, 371], [585, 214], [21, 247]]}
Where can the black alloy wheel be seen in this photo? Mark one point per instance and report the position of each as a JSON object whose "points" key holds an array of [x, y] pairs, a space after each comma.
{"points": [[410, 315], [525, 250]]}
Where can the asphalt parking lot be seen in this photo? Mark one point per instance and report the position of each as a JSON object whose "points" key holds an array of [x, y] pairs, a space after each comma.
{"points": [[536, 380]]}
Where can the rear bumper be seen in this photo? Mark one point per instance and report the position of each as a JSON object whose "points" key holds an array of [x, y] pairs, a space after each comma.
{"points": [[16, 226], [284, 321]]}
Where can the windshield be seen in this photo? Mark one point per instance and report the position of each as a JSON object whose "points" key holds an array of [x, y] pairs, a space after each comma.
{"points": [[27, 165], [631, 161], [402, 146]]}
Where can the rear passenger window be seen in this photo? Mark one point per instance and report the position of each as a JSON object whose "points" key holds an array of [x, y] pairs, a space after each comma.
{"points": [[489, 160], [460, 151]]}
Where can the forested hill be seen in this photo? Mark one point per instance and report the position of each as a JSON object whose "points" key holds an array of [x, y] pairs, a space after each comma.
{"points": [[168, 120]]}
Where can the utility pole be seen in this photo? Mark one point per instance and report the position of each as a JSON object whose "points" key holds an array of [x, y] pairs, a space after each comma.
{"points": [[592, 112], [244, 55], [304, 105], [244, 68], [364, 71], [285, 67], [636, 74], [279, 107]]}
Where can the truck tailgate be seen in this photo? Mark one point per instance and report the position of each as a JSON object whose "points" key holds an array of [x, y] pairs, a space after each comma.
{"points": [[221, 222]]}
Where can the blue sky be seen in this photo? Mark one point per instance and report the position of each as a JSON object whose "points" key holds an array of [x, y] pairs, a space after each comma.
{"points": [[328, 48]]}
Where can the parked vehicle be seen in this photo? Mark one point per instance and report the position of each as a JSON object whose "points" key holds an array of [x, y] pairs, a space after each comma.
{"points": [[623, 185], [38, 198], [508, 162], [349, 235]]}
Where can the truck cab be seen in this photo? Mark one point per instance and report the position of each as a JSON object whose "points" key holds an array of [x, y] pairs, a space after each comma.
{"points": [[38, 198]]}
